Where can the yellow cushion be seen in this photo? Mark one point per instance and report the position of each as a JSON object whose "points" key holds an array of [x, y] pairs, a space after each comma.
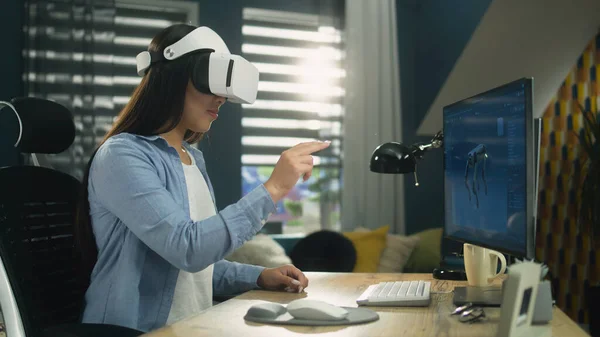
{"points": [[369, 246]]}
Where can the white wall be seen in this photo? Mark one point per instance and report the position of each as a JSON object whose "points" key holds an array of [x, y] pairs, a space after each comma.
{"points": [[519, 38]]}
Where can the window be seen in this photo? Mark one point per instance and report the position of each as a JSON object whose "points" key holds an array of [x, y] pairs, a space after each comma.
{"points": [[300, 58], [82, 56]]}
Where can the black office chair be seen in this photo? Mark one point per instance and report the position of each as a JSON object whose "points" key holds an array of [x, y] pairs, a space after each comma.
{"points": [[41, 292]]}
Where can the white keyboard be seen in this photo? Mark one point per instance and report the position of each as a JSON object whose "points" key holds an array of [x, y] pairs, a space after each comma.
{"points": [[397, 294]]}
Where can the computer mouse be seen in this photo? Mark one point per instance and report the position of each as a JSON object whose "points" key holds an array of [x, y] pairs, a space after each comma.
{"points": [[316, 310], [266, 310]]}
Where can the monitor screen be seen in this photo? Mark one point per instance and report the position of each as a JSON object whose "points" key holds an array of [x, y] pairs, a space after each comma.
{"points": [[487, 163]]}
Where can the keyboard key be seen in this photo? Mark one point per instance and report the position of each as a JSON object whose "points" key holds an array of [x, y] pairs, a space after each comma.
{"points": [[378, 290], [395, 288], [427, 290], [412, 290], [386, 290], [420, 288], [366, 294], [403, 289]]}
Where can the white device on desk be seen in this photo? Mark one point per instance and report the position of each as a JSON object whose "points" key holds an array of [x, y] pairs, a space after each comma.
{"points": [[397, 294], [520, 292]]}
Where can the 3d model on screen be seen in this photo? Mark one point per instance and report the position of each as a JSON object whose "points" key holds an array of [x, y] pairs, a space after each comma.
{"points": [[476, 159]]}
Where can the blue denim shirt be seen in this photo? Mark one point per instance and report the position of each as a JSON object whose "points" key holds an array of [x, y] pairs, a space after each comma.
{"points": [[140, 217]]}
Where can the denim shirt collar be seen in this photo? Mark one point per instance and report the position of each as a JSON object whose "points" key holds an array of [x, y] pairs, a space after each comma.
{"points": [[153, 138], [150, 138]]}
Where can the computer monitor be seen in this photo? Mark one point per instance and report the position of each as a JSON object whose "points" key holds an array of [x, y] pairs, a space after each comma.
{"points": [[490, 174]]}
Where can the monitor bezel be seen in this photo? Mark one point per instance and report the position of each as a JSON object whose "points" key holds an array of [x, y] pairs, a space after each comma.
{"points": [[530, 171]]}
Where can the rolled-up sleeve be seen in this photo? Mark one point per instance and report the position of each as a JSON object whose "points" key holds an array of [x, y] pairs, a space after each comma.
{"points": [[125, 181]]}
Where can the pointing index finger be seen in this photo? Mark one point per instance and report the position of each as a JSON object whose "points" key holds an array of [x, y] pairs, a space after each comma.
{"points": [[310, 147]]}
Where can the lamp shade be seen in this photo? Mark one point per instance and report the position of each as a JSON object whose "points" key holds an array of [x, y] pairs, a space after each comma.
{"points": [[393, 157]]}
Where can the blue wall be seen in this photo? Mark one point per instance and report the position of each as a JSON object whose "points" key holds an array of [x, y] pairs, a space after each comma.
{"points": [[431, 37], [10, 58]]}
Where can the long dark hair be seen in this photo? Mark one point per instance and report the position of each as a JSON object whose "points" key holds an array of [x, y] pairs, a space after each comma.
{"points": [[155, 107]]}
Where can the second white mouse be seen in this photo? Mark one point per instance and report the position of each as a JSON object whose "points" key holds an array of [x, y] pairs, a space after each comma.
{"points": [[316, 310]]}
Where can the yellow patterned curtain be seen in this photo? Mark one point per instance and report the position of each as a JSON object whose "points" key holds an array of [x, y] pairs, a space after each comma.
{"points": [[569, 254]]}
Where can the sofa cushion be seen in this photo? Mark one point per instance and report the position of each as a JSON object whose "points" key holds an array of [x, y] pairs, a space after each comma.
{"points": [[428, 253], [263, 251], [369, 247], [397, 251]]}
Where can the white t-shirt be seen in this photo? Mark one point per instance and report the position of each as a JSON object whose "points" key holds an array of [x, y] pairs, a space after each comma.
{"points": [[193, 292]]}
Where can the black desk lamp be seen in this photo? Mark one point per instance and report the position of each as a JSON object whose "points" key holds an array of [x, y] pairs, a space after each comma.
{"points": [[398, 158]]}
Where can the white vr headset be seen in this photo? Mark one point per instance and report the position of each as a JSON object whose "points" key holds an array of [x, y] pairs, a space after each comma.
{"points": [[219, 72]]}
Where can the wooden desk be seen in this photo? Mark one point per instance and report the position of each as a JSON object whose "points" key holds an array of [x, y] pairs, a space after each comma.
{"points": [[226, 319]]}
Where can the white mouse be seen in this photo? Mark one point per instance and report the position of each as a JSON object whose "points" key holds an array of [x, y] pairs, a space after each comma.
{"points": [[316, 310]]}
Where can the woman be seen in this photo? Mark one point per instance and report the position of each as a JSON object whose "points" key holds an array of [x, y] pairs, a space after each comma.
{"points": [[149, 228]]}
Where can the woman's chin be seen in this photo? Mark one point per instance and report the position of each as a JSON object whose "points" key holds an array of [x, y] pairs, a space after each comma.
{"points": [[201, 128]]}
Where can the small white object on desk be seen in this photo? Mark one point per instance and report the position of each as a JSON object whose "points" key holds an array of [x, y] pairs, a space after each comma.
{"points": [[397, 294], [519, 295]]}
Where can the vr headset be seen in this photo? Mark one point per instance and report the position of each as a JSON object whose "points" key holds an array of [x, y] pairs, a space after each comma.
{"points": [[218, 72]]}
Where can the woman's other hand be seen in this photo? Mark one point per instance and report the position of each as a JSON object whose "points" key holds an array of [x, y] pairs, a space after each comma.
{"points": [[286, 277]]}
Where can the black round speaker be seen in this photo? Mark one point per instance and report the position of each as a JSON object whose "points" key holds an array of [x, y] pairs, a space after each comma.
{"points": [[325, 251]]}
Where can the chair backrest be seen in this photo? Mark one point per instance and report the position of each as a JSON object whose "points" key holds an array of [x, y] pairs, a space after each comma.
{"points": [[37, 216]]}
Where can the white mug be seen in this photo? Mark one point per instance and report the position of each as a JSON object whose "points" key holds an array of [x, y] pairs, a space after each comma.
{"points": [[481, 265]]}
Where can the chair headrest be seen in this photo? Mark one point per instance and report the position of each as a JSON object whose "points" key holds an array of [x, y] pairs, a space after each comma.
{"points": [[41, 126]]}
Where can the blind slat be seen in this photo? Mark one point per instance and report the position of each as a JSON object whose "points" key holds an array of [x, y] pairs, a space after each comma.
{"points": [[141, 28], [266, 150], [57, 10], [281, 17], [280, 25], [145, 11], [274, 59], [77, 66], [271, 160], [282, 96], [285, 114], [71, 88], [273, 132], [105, 46], [286, 42]]}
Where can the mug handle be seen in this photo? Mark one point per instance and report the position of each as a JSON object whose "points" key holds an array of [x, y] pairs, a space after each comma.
{"points": [[502, 263]]}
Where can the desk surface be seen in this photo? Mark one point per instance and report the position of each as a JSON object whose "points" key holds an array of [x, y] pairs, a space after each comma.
{"points": [[226, 319]]}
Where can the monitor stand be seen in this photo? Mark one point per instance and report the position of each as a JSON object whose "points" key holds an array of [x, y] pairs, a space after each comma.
{"points": [[478, 296]]}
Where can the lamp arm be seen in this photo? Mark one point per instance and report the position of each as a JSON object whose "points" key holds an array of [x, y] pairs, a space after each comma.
{"points": [[437, 141]]}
